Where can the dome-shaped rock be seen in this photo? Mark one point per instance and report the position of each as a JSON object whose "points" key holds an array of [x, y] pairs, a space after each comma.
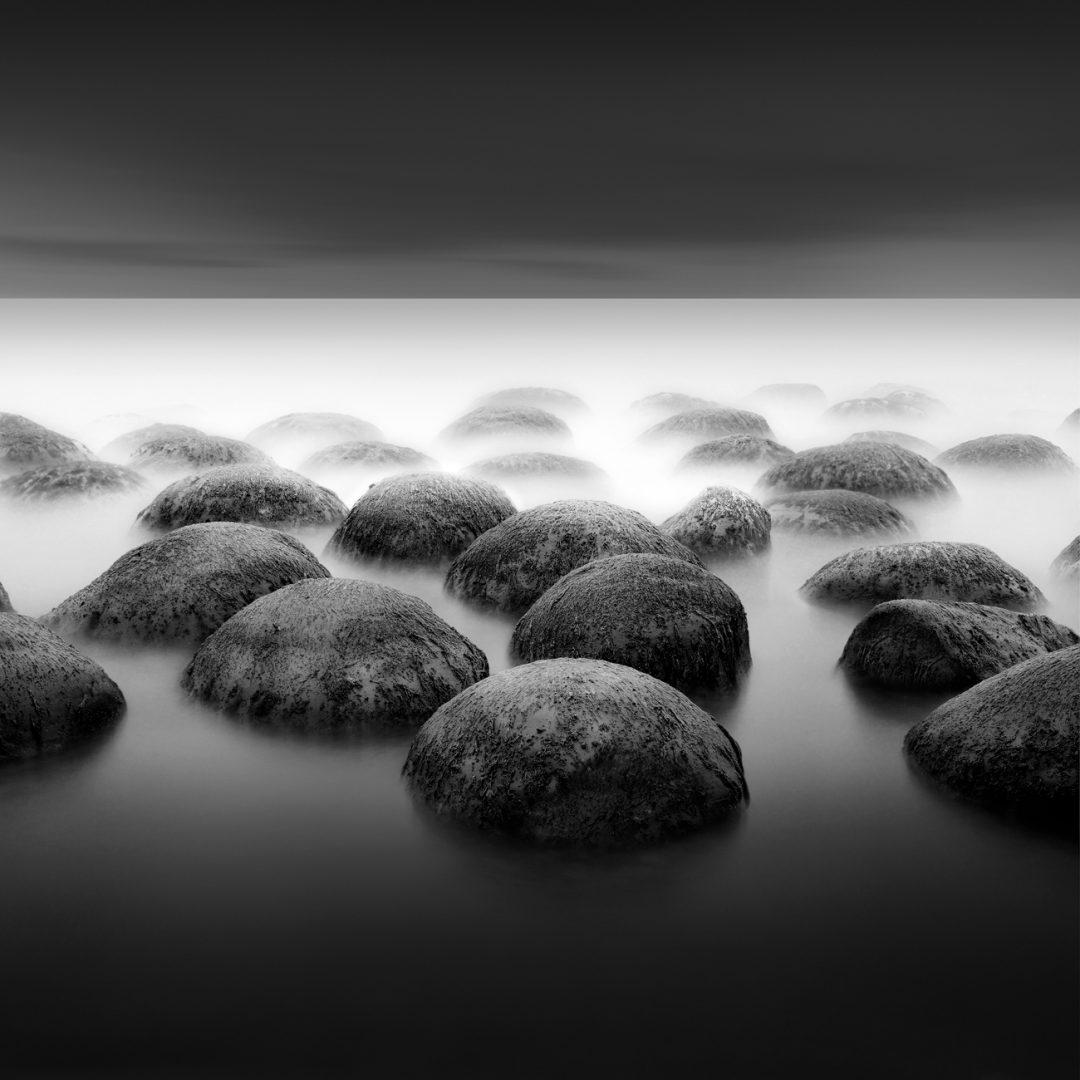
{"points": [[1071, 424], [861, 408], [307, 432], [789, 395], [368, 456], [721, 521], [535, 464], [77, 479], [1016, 453], [836, 512], [899, 438], [668, 403], [713, 423], [123, 446], [577, 751], [25, 444], [504, 422], [5, 600], [539, 397], [735, 450], [188, 453]]}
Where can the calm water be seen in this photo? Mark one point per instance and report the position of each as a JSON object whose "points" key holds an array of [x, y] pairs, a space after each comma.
{"points": [[194, 897]]}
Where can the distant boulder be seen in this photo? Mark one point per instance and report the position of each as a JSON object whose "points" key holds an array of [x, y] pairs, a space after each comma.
{"points": [[5, 600], [701, 424], [123, 446], [875, 407], [1071, 424], [906, 394], [899, 438], [735, 450], [539, 397], [1067, 563], [536, 465], [305, 432], [1015, 453], [505, 423], [836, 512], [667, 403], [721, 521], [190, 453], [80, 479], [368, 457], [788, 396], [25, 444]]}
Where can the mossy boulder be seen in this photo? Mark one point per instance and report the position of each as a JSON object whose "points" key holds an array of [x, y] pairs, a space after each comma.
{"points": [[704, 424], [181, 587], [510, 566], [836, 512], [537, 465], [334, 656], [25, 444], [364, 456], [735, 450], [577, 752], [1067, 563], [79, 479], [505, 423], [190, 453], [899, 438], [306, 432], [421, 517], [556, 401], [51, 696], [666, 617], [1015, 453], [721, 521]]}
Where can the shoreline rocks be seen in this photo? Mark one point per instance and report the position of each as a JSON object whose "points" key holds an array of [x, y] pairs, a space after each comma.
{"points": [[721, 522]]}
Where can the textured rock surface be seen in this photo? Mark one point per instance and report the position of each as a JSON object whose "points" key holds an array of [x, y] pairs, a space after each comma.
{"points": [[77, 479], [663, 616], [1022, 453], [314, 429], [183, 586], [922, 570], [667, 403], [721, 521], [491, 421], [880, 469], [735, 450], [575, 751], [335, 655], [1012, 740], [258, 494], [711, 423], [789, 395], [189, 452], [51, 696], [368, 455], [424, 517], [930, 645], [1067, 563], [899, 438], [509, 566], [536, 465], [123, 446], [25, 444], [835, 512], [538, 397]]}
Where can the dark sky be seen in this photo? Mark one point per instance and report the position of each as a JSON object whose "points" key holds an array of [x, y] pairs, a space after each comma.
{"points": [[624, 149]]}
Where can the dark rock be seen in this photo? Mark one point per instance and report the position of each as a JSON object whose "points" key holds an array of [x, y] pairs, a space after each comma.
{"points": [[27, 445], [495, 422], [511, 565], [368, 456], [789, 395], [258, 494], [78, 479], [183, 586], [51, 696], [1019, 453], [735, 450], [336, 655], [1012, 740], [922, 570], [663, 616], [539, 397], [533, 465], [1067, 563], [721, 521], [576, 751], [899, 438], [187, 453], [929, 645], [423, 517], [123, 446], [313, 431], [698, 424], [836, 512]]}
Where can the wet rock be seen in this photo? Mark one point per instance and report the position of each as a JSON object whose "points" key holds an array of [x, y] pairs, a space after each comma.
{"points": [[713, 423], [835, 512], [123, 446], [906, 394], [423, 517], [511, 565], [577, 751], [735, 450], [721, 521], [928, 645], [539, 397], [25, 444], [335, 655], [5, 600], [789, 395], [258, 494], [663, 616], [1016, 453], [868, 407], [881, 469], [306, 432], [1012, 740], [51, 696], [181, 587], [667, 403], [922, 570], [1067, 563], [534, 465], [502, 422], [900, 438], [80, 479], [188, 453], [368, 456]]}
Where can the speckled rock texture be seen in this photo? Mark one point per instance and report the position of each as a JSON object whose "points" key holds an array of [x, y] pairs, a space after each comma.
{"points": [[257, 494], [183, 586], [25, 444], [1012, 740], [422, 517], [1017, 453], [1067, 563], [711, 423], [899, 438], [502, 422], [577, 752], [789, 395], [511, 565], [368, 455], [881, 469], [922, 570], [79, 479], [539, 397], [314, 429], [890, 406], [536, 464], [334, 656], [929, 645], [735, 450], [835, 512], [668, 403], [668, 618], [51, 696], [123, 446], [187, 453], [721, 521]]}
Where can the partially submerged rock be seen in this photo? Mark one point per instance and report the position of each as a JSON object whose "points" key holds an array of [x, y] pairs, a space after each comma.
{"points": [[881, 469], [900, 438], [5, 600], [334, 656], [536, 465], [668, 403], [183, 586], [1067, 563], [577, 751], [789, 395], [25, 444], [922, 570], [188, 453], [1071, 424], [368, 456], [663, 616], [310, 431], [539, 397], [51, 696], [258, 494], [510, 566], [866, 407], [929, 645], [1016, 453], [735, 450], [123, 446], [711, 423], [836, 512], [1012, 740], [80, 479], [503, 422], [423, 517], [721, 521]]}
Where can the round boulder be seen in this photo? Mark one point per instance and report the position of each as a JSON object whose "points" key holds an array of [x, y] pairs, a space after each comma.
{"points": [[84, 479], [123, 446], [663, 616], [862, 408], [577, 751], [789, 396], [258, 494], [929, 645], [367, 457], [922, 570], [1016, 453], [183, 586], [899, 438], [505, 422], [5, 600], [1012, 740], [835, 512], [712, 423], [310, 431], [1071, 424], [422, 517], [538, 397], [735, 450], [51, 696], [668, 403], [721, 521], [25, 444], [186, 453], [536, 465], [336, 655], [510, 566], [1067, 564]]}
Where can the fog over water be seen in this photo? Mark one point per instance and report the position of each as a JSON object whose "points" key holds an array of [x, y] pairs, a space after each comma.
{"points": [[191, 896]]}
